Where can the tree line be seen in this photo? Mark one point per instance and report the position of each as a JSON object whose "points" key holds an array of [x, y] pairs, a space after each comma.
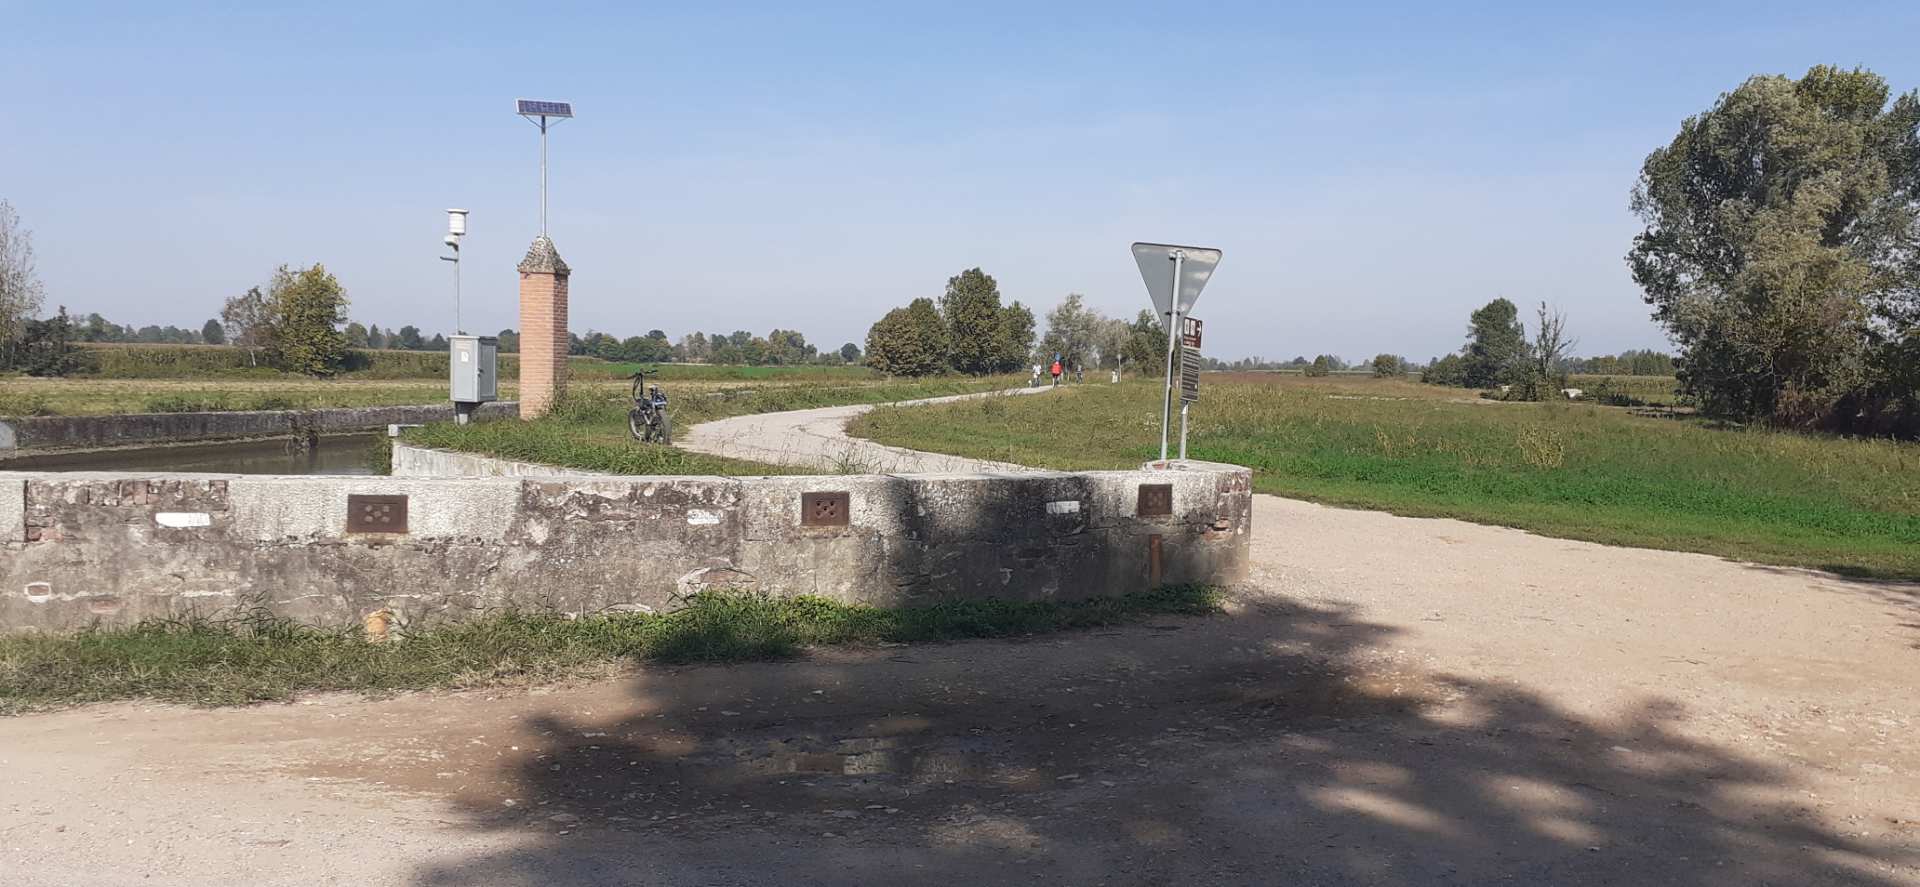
{"points": [[969, 330]]}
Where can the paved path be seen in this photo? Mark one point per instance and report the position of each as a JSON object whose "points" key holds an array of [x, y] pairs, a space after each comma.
{"points": [[818, 439], [1388, 701]]}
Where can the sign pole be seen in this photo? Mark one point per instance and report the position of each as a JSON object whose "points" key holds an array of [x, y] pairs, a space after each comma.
{"points": [[1173, 338]]}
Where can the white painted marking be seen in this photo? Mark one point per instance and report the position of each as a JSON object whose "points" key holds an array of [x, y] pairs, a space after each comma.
{"points": [[699, 517], [183, 519], [39, 592], [1065, 506]]}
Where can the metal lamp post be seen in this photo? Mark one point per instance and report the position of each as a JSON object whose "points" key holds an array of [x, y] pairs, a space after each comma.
{"points": [[456, 229]]}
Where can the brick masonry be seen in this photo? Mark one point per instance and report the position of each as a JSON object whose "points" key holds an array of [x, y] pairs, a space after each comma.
{"points": [[543, 328]]}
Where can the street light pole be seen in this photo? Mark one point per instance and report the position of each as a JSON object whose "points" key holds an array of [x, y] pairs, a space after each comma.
{"points": [[456, 229], [539, 114]]}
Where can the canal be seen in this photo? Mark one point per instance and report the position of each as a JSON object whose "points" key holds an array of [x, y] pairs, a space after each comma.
{"points": [[331, 454]]}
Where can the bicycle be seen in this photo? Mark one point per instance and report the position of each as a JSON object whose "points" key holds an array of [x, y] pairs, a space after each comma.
{"points": [[648, 421]]}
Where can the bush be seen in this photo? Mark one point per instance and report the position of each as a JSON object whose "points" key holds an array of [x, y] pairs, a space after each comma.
{"points": [[25, 404], [1450, 370]]}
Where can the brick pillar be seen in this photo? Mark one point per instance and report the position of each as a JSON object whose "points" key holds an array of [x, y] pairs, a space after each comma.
{"points": [[543, 328]]}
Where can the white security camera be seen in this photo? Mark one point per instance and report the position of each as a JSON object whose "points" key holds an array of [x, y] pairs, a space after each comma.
{"points": [[453, 240]]}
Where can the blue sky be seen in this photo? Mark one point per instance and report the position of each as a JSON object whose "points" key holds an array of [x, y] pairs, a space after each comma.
{"points": [[1372, 172]]}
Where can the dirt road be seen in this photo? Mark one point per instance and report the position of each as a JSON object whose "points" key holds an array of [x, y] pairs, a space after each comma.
{"points": [[1389, 701]]}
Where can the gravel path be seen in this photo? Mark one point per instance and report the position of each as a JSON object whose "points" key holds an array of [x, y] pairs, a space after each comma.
{"points": [[1388, 701], [818, 439]]}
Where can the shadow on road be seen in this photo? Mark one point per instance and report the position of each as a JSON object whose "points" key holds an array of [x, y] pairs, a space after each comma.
{"points": [[1283, 744]]}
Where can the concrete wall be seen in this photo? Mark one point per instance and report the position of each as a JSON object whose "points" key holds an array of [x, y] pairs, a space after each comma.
{"points": [[68, 432], [413, 461], [80, 547]]}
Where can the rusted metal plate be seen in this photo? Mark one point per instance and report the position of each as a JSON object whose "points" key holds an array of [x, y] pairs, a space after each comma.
{"points": [[1156, 500], [368, 513], [825, 509]]}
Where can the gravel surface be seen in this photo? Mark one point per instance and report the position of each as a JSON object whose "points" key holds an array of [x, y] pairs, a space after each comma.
{"points": [[1388, 701]]}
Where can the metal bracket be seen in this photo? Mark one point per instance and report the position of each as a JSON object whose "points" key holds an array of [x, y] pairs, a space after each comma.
{"points": [[1156, 500], [825, 509], [376, 514]]}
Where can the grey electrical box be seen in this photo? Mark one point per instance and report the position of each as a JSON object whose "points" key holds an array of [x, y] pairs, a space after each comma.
{"points": [[472, 359]]}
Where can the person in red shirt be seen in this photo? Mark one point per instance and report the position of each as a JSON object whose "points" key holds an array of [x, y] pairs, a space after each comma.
{"points": [[1056, 372]]}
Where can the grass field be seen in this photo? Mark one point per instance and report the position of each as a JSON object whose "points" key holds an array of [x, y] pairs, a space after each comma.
{"points": [[1562, 469], [257, 657], [191, 390], [589, 430], [20, 396]]}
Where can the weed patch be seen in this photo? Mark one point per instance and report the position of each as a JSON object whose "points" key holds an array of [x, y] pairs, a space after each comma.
{"points": [[254, 657]]}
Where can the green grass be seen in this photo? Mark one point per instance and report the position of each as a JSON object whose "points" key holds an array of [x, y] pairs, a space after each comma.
{"points": [[1561, 469], [258, 657], [589, 430], [20, 396]]}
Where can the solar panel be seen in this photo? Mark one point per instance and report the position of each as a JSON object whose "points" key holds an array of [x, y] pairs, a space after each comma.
{"points": [[545, 109]]}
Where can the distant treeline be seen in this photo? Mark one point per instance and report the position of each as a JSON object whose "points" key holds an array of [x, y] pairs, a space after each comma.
{"points": [[1641, 362]]}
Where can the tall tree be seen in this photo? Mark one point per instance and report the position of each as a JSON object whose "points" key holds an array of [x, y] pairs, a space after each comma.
{"points": [[1071, 326], [1146, 346], [1110, 342], [1782, 226], [910, 341], [850, 353], [305, 307], [356, 335], [976, 327], [1014, 344], [1551, 344], [507, 341], [376, 337], [694, 347], [46, 347], [246, 318], [407, 339], [20, 289], [1496, 345], [211, 333]]}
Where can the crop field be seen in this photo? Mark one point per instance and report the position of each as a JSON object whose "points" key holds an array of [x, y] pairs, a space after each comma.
{"points": [[1562, 469]]}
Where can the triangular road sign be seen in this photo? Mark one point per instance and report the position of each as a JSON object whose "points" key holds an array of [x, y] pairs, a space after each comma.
{"points": [[1156, 268]]}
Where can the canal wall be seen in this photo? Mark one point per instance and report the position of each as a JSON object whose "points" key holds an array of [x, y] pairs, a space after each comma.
{"points": [[19, 434], [414, 461], [80, 548]]}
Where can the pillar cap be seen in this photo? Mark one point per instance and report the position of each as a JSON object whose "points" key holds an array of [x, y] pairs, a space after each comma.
{"points": [[542, 258]]}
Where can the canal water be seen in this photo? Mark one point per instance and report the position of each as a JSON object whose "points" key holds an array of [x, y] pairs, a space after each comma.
{"points": [[332, 454]]}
